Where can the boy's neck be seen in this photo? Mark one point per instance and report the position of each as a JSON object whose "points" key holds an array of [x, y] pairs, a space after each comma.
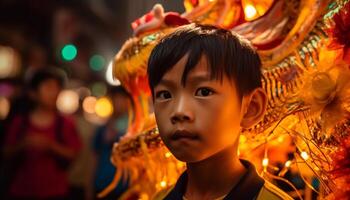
{"points": [[214, 177]]}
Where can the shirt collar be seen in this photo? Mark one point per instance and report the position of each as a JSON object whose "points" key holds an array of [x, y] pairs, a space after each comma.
{"points": [[247, 188]]}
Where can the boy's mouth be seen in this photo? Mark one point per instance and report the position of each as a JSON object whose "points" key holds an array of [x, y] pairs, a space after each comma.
{"points": [[184, 134]]}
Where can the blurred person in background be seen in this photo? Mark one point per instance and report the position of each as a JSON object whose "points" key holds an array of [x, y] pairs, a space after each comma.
{"points": [[80, 173], [104, 139], [36, 58], [41, 143]]}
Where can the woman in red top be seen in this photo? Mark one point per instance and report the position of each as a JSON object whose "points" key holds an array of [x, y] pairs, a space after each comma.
{"points": [[42, 142]]}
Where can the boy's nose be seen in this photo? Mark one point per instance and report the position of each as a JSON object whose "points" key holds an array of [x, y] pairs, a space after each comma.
{"points": [[180, 117], [182, 112]]}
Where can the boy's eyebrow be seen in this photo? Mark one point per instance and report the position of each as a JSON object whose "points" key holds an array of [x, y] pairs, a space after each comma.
{"points": [[191, 79], [199, 78], [166, 82]]}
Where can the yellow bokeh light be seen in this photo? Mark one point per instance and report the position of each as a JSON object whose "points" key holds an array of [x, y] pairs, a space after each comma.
{"points": [[103, 107], [68, 101], [250, 12], [89, 104]]}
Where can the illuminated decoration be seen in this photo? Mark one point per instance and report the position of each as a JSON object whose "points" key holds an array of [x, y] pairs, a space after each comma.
{"points": [[109, 75], [253, 9], [97, 62], [103, 107], [163, 184], [304, 49], [89, 104], [99, 89], [68, 101], [265, 162], [250, 12], [168, 154], [4, 107], [288, 163], [304, 155], [69, 52], [9, 62]]}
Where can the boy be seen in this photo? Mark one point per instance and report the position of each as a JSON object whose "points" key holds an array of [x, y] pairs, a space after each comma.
{"points": [[206, 86]]}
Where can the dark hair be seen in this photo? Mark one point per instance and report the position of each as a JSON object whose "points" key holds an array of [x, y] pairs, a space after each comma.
{"points": [[42, 75], [227, 54]]}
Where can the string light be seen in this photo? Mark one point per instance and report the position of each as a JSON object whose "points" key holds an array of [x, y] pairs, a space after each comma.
{"points": [[250, 11], [265, 162], [304, 155], [288, 163], [163, 184], [167, 154]]}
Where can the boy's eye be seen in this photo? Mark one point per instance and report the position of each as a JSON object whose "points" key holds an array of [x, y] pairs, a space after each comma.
{"points": [[203, 92], [162, 95]]}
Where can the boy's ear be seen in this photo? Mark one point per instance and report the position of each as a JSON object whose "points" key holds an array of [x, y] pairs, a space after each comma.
{"points": [[254, 106]]}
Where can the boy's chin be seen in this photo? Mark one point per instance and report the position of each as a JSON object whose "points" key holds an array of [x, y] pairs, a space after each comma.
{"points": [[188, 157]]}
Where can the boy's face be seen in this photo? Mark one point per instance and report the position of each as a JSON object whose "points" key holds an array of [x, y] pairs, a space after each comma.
{"points": [[199, 119]]}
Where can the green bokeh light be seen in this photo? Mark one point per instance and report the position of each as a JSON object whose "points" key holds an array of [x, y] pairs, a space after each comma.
{"points": [[97, 62], [69, 52], [99, 89]]}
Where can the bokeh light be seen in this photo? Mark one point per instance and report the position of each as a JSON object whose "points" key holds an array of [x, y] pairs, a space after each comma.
{"points": [[109, 75], [97, 62], [68, 102], [9, 62], [99, 89], [83, 92], [4, 107], [89, 104], [95, 119], [103, 107], [250, 12], [69, 52]]}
